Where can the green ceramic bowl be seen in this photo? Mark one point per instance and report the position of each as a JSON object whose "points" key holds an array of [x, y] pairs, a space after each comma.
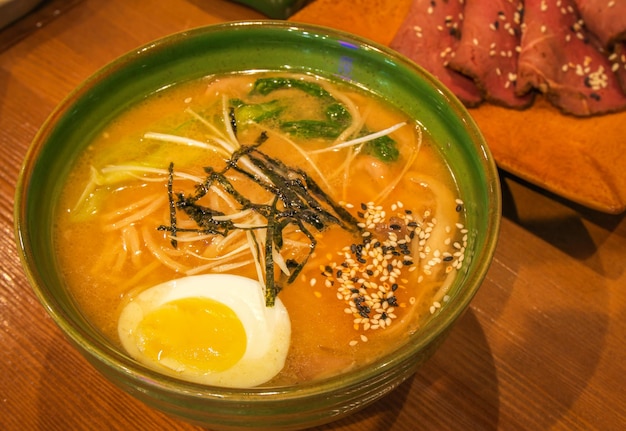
{"points": [[238, 47]]}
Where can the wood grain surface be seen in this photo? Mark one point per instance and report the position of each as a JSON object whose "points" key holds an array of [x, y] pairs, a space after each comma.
{"points": [[542, 346]]}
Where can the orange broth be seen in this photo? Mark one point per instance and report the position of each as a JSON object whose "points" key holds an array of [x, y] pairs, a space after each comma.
{"points": [[107, 233]]}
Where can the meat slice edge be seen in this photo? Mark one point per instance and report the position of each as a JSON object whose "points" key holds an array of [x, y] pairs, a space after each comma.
{"points": [[429, 35], [558, 57], [488, 50], [606, 19], [618, 63]]}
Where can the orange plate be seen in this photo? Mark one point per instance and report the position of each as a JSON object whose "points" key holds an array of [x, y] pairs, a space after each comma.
{"points": [[581, 159]]}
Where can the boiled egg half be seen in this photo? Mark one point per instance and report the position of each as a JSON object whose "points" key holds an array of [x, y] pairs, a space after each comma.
{"points": [[213, 329]]}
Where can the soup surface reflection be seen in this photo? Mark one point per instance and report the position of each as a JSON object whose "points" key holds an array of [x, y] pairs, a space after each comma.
{"points": [[336, 204]]}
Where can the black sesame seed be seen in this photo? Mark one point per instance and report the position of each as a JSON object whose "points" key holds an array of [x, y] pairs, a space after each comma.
{"points": [[407, 263], [364, 314], [339, 273], [448, 258], [595, 96], [394, 287], [361, 260], [369, 272], [459, 208], [395, 227], [393, 301], [363, 206], [360, 214], [389, 267]]}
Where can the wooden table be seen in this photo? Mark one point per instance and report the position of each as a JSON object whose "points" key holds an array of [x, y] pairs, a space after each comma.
{"points": [[543, 345]]}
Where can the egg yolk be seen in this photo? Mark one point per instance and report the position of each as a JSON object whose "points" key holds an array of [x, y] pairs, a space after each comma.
{"points": [[193, 333]]}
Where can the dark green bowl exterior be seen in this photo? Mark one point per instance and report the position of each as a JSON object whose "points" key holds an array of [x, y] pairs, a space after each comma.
{"points": [[242, 46]]}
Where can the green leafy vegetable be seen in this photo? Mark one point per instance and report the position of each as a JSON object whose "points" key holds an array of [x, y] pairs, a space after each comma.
{"points": [[265, 86], [383, 148], [256, 112], [312, 129], [336, 115]]}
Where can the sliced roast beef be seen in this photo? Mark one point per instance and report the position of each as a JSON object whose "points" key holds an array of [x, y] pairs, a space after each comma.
{"points": [[618, 63], [429, 36], [488, 50], [558, 58], [606, 19]]}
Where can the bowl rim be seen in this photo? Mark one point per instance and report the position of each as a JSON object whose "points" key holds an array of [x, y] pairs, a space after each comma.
{"points": [[121, 362]]}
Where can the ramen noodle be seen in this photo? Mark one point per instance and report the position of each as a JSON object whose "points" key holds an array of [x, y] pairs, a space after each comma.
{"points": [[335, 204]]}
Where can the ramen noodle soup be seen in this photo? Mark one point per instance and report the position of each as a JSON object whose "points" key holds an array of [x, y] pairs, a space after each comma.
{"points": [[260, 229]]}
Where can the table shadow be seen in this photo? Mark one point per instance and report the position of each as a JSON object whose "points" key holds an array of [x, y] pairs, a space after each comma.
{"points": [[443, 388], [574, 229]]}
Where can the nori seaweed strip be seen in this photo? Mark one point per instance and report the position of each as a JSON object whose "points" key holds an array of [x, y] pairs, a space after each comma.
{"points": [[233, 120], [292, 191], [294, 197], [221, 179], [348, 220], [203, 189], [270, 286], [170, 197], [302, 203], [203, 217], [312, 246]]}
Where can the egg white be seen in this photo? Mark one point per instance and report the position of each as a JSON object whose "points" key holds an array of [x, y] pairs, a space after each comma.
{"points": [[268, 329]]}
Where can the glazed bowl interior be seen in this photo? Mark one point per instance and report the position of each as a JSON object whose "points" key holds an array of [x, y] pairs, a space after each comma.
{"points": [[234, 47]]}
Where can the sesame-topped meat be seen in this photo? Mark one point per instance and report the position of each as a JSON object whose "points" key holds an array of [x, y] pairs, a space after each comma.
{"points": [[488, 50], [429, 36], [606, 19], [558, 58], [618, 63]]}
